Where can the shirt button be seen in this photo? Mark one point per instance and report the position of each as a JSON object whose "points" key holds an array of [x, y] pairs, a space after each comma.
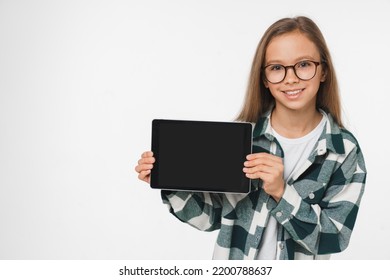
{"points": [[279, 214], [311, 195], [281, 246]]}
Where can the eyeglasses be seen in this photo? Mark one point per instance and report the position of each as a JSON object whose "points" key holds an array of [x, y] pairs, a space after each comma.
{"points": [[304, 70]]}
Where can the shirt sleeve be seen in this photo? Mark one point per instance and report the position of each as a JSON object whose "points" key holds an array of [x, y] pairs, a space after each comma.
{"points": [[200, 210], [324, 225]]}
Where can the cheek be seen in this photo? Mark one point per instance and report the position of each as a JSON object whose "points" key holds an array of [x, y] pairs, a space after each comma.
{"points": [[315, 83], [272, 90], [315, 86]]}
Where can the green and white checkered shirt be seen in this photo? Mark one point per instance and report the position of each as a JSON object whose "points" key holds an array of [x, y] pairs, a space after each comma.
{"points": [[315, 216]]}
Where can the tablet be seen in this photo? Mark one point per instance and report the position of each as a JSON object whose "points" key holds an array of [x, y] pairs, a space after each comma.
{"points": [[203, 156]]}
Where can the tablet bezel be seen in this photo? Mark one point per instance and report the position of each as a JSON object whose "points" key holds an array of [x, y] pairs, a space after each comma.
{"points": [[247, 149]]}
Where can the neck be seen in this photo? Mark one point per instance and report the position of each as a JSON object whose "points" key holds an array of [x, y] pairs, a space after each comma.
{"points": [[294, 124]]}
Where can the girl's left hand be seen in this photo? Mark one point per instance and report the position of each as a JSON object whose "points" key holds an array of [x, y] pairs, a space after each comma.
{"points": [[269, 169]]}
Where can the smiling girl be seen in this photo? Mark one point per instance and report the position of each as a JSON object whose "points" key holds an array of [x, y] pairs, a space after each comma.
{"points": [[308, 172]]}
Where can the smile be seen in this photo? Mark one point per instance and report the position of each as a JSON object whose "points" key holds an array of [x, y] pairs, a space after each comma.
{"points": [[293, 92]]}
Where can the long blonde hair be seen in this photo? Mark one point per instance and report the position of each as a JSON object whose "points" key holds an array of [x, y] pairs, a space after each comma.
{"points": [[258, 99]]}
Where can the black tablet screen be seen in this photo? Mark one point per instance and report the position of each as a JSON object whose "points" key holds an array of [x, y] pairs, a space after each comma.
{"points": [[200, 155]]}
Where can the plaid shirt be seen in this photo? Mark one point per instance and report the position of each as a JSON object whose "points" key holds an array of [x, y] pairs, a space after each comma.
{"points": [[315, 216]]}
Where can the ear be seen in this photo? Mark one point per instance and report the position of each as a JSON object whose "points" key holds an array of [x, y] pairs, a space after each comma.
{"points": [[323, 75], [265, 83]]}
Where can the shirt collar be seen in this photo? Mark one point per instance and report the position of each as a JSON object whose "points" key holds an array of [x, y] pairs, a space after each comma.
{"points": [[330, 139], [263, 127]]}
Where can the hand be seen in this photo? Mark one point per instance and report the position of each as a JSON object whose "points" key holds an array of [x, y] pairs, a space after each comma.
{"points": [[145, 165], [269, 169]]}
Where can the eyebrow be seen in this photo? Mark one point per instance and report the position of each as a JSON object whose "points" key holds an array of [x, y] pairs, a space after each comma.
{"points": [[301, 58]]}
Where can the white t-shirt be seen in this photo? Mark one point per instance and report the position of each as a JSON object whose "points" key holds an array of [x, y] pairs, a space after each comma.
{"points": [[296, 151]]}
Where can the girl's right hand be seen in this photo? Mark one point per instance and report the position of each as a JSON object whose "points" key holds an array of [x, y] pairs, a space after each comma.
{"points": [[145, 165]]}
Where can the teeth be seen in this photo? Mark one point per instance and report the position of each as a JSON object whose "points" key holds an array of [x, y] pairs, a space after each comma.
{"points": [[293, 92]]}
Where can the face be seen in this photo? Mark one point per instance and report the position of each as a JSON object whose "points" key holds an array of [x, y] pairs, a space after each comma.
{"points": [[292, 93]]}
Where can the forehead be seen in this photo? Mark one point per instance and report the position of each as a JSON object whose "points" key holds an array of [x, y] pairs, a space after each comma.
{"points": [[291, 47]]}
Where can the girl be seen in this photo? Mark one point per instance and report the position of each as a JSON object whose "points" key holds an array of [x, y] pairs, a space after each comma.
{"points": [[308, 172]]}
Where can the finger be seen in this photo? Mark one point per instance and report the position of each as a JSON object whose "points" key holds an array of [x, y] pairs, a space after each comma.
{"points": [[264, 156], [143, 167], [144, 175], [261, 161], [146, 157], [147, 154], [265, 177], [256, 175], [261, 168], [272, 170], [146, 161], [256, 162], [254, 156]]}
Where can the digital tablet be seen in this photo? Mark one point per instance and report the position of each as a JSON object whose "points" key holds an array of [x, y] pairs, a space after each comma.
{"points": [[203, 156]]}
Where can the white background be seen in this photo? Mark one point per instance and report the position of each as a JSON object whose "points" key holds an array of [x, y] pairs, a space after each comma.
{"points": [[81, 81]]}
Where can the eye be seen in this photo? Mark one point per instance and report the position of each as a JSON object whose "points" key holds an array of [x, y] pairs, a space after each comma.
{"points": [[275, 67], [304, 64]]}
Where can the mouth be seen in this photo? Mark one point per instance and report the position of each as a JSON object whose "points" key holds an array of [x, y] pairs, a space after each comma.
{"points": [[293, 93]]}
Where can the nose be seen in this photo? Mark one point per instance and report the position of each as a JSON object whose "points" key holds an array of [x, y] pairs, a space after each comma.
{"points": [[291, 77]]}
